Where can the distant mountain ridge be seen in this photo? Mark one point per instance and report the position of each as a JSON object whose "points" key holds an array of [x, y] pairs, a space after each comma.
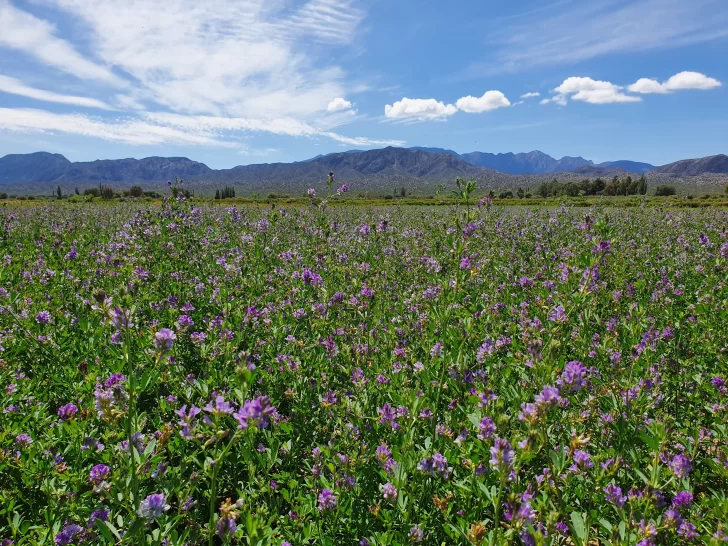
{"points": [[715, 164], [537, 162], [381, 171]]}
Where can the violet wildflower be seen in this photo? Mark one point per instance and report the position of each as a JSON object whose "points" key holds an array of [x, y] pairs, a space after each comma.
{"points": [[256, 412], [68, 534], [221, 407], [416, 534], [24, 440], [326, 500], [67, 412], [614, 495], [683, 499], [501, 456], [680, 466], [164, 340], [389, 492], [154, 506], [98, 474], [573, 377], [44, 317]]}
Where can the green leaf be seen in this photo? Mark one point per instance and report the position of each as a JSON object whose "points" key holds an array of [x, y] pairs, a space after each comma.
{"points": [[577, 521]]}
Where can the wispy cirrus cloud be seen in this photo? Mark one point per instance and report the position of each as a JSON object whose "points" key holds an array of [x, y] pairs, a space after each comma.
{"points": [[153, 128], [249, 65], [24, 32], [16, 87], [572, 31]]}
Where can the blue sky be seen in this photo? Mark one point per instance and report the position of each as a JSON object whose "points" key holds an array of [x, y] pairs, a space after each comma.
{"points": [[231, 82]]}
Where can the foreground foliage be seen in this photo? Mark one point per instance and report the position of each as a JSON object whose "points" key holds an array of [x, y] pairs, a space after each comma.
{"points": [[470, 375]]}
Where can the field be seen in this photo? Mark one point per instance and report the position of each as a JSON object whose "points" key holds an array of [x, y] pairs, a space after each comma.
{"points": [[182, 373]]}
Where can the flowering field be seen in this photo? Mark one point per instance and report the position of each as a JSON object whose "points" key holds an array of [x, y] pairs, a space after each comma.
{"points": [[190, 374]]}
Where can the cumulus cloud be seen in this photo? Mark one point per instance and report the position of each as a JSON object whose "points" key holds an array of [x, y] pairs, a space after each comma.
{"points": [[420, 109], [530, 95], [16, 87], [646, 85], [491, 100], [681, 81], [153, 128], [591, 91], [339, 104]]}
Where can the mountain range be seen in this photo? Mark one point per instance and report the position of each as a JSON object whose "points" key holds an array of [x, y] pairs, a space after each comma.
{"points": [[538, 162], [419, 169]]}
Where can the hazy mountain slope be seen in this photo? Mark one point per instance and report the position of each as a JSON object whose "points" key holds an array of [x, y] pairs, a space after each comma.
{"points": [[716, 164]]}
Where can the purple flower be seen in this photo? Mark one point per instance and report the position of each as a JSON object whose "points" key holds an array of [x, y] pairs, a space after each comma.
{"points": [[486, 428], [389, 492], [164, 340], [680, 466], [572, 379], [671, 518], [221, 407], [101, 514], [185, 321], [226, 527], [44, 317], [326, 500], [687, 531], [68, 534], [311, 192], [582, 461], [23, 440], [98, 474], [501, 455], [67, 412], [154, 506], [435, 465], [614, 495], [255, 412], [683, 499], [416, 534]]}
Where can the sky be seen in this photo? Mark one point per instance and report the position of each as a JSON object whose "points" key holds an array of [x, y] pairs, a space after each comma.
{"points": [[234, 82]]}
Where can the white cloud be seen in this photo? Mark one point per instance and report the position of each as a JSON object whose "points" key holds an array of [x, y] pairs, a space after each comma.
{"points": [[591, 91], [166, 128], [570, 32], [491, 100], [646, 85], [250, 65], [15, 87], [420, 109], [530, 95], [678, 82], [23, 31], [248, 58], [691, 80], [338, 104], [129, 131], [557, 99]]}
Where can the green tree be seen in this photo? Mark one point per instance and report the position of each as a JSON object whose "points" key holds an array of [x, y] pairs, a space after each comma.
{"points": [[59, 193]]}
